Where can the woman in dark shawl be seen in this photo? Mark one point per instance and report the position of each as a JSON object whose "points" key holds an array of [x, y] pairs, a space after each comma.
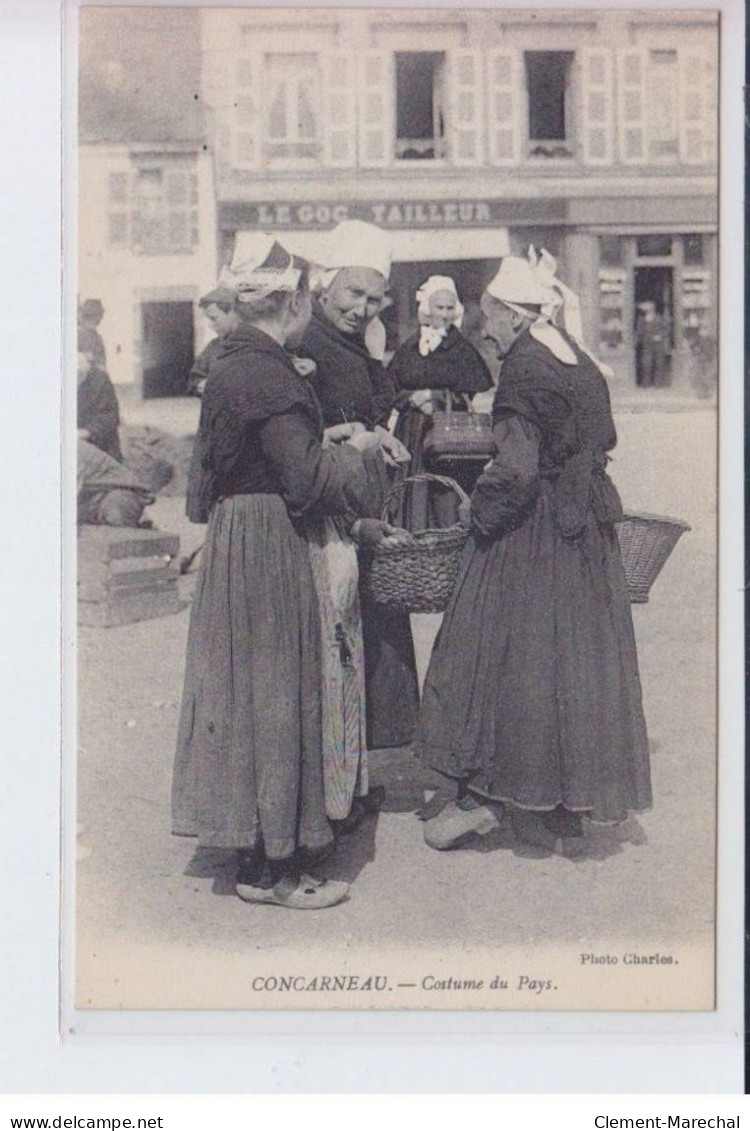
{"points": [[533, 697], [248, 769], [432, 365]]}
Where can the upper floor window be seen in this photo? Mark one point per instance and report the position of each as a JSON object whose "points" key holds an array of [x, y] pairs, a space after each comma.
{"points": [[550, 103], [154, 210], [420, 105], [293, 111]]}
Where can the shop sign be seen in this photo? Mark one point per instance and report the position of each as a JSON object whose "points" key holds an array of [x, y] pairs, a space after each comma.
{"points": [[277, 215]]}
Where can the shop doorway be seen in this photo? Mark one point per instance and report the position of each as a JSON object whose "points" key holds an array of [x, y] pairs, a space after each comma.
{"points": [[167, 348], [653, 325]]}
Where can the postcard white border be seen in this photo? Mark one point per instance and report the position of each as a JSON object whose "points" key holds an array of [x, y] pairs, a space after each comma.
{"points": [[205, 1051]]}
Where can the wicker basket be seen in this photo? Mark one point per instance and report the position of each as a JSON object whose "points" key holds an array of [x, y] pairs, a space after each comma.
{"points": [[646, 541], [417, 576]]}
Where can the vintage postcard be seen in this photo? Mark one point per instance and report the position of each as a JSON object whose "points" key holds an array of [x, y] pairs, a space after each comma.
{"points": [[397, 386]]}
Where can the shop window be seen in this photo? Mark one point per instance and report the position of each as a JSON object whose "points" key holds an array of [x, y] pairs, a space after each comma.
{"points": [[611, 251], [693, 250], [420, 105], [293, 119], [662, 95], [654, 246], [612, 302], [550, 103]]}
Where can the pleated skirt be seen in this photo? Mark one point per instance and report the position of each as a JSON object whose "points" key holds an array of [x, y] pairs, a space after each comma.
{"points": [[533, 691], [248, 765]]}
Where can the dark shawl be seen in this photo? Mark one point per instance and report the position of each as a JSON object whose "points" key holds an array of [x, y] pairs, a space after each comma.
{"points": [[454, 365], [261, 430]]}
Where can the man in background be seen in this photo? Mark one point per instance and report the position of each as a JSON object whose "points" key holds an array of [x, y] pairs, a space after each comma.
{"points": [[651, 347], [90, 314]]}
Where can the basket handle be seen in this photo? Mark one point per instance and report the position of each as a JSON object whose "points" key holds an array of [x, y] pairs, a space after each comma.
{"points": [[423, 477]]}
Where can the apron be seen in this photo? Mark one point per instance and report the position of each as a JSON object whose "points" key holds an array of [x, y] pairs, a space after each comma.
{"points": [[333, 557]]}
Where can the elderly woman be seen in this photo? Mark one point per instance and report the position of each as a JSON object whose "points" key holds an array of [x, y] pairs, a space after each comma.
{"points": [[532, 697], [354, 388], [248, 770], [434, 364]]}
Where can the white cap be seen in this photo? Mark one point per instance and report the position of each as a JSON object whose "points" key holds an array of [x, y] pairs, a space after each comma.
{"points": [[431, 287], [520, 282], [354, 243], [260, 266]]}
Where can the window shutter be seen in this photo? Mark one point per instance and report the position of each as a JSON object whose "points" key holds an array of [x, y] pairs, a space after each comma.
{"points": [[465, 108], [597, 116], [631, 107], [504, 107], [247, 112], [698, 107], [376, 109], [339, 117]]}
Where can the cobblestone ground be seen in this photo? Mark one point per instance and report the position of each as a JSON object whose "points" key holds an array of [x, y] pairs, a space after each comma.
{"points": [[139, 889]]}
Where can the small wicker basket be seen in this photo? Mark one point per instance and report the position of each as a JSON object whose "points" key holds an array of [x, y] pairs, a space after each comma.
{"points": [[646, 541], [417, 576]]}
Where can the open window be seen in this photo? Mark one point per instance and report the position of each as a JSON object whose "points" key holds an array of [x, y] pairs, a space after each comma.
{"points": [[420, 105], [293, 118], [550, 103]]}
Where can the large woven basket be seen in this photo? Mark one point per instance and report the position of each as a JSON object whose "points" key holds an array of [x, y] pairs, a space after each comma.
{"points": [[417, 576], [646, 541]]}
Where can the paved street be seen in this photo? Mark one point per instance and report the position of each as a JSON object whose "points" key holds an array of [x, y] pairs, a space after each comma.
{"points": [[142, 892]]}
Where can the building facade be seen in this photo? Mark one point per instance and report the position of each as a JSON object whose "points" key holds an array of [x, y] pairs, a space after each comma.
{"points": [[472, 133], [147, 202], [147, 250]]}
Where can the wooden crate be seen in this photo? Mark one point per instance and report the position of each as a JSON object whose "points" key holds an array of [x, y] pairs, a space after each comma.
{"points": [[126, 575]]}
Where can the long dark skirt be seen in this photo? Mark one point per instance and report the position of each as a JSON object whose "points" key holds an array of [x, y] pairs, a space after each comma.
{"points": [[391, 684], [533, 690], [248, 765]]}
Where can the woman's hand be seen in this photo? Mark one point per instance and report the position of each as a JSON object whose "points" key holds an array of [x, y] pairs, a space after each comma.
{"points": [[394, 452], [84, 434], [423, 400], [371, 532], [338, 433], [360, 438]]}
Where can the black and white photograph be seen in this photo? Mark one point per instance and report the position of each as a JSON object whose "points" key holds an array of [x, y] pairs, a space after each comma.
{"points": [[396, 383]]}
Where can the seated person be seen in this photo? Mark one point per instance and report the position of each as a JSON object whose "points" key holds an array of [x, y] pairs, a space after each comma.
{"points": [[108, 493]]}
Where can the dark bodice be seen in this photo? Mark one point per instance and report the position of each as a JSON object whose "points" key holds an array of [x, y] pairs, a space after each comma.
{"points": [[565, 431]]}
